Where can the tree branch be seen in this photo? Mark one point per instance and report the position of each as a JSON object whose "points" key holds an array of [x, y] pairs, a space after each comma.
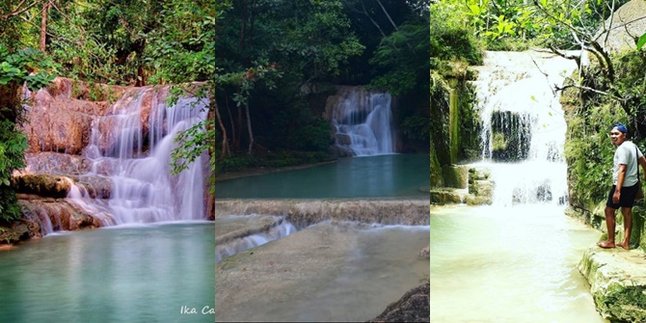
{"points": [[387, 15], [587, 88], [18, 10]]}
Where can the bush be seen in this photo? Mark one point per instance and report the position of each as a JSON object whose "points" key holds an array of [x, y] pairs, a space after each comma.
{"points": [[12, 145]]}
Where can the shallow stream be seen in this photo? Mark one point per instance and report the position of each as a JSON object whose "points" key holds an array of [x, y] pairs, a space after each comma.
{"points": [[509, 264]]}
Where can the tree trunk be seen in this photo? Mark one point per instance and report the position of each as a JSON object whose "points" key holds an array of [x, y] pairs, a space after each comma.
{"points": [[225, 141], [365, 12], [387, 15], [239, 127], [43, 26], [249, 129]]}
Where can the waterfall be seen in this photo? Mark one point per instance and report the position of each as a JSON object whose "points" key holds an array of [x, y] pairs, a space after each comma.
{"points": [[132, 146], [523, 125], [362, 120]]}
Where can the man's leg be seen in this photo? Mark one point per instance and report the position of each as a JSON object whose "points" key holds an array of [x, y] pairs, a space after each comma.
{"points": [[610, 225], [628, 224]]}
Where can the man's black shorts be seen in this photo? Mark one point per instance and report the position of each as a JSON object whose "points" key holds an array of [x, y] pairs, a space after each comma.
{"points": [[627, 198]]}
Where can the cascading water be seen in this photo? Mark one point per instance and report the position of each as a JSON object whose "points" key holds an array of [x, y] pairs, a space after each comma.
{"points": [[362, 120], [132, 145], [523, 125], [282, 229]]}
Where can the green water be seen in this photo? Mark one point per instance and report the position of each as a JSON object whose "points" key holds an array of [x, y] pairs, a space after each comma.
{"points": [[390, 176], [123, 274], [513, 264]]}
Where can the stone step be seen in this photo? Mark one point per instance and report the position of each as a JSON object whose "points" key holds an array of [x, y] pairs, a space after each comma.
{"points": [[617, 282]]}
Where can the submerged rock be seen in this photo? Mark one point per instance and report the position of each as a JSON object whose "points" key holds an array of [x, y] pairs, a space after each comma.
{"points": [[425, 253], [412, 307], [617, 282]]}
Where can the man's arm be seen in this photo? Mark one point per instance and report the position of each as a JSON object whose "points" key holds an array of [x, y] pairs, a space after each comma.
{"points": [[620, 182]]}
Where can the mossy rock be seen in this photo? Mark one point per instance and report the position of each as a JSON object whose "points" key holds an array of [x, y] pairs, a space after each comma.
{"points": [[617, 282], [455, 176], [42, 184], [478, 200], [445, 196]]}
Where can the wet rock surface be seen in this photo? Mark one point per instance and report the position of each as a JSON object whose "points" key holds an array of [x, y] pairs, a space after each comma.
{"points": [[412, 307], [302, 213], [617, 282], [241, 227], [42, 215], [308, 276], [56, 163]]}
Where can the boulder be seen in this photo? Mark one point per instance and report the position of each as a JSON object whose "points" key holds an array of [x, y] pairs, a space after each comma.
{"points": [[445, 196], [626, 25], [42, 184], [617, 282], [59, 123], [412, 307]]}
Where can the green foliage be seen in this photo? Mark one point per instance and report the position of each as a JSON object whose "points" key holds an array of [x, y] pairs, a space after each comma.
{"points": [[589, 152], [519, 24], [641, 41], [630, 85], [314, 136], [451, 38], [25, 66], [416, 128], [182, 47], [400, 55], [12, 146]]}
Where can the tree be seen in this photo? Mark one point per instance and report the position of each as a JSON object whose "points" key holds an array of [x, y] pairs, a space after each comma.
{"points": [[17, 67]]}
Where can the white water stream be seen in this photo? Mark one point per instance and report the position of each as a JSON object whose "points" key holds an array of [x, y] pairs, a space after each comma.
{"points": [[363, 122]]}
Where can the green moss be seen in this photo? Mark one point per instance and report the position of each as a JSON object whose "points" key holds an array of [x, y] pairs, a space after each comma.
{"points": [[499, 141], [437, 179]]}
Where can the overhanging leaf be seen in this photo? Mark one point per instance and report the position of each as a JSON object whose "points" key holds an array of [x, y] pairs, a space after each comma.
{"points": [[641, 41]]}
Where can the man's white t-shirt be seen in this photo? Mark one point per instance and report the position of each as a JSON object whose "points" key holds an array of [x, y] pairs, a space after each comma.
{"points": [[625, 154]]}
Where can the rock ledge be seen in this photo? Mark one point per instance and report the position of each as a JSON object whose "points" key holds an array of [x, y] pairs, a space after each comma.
{"points": [[617, 282]]}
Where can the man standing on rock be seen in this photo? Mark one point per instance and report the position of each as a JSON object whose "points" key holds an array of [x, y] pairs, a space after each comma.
{"points": [[625, 184]]}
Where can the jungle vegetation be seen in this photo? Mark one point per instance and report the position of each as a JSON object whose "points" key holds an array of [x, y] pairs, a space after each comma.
{"points": [[101, 41], [277, 61]]}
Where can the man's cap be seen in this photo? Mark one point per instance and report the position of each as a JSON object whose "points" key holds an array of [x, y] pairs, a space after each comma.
{"points": [[621, 127]]}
